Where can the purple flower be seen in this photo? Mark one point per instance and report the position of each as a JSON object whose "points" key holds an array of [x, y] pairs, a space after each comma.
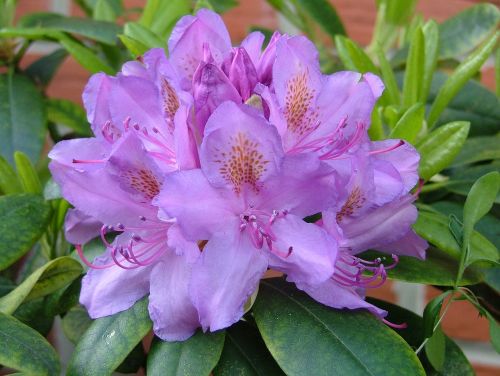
{"points": [[248, 201]]}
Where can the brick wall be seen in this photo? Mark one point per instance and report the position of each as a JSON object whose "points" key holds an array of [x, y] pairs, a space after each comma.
{"points": [[462, 321]]}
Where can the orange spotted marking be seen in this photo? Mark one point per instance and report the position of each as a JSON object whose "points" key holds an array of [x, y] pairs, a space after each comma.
{"points": [[143, 181], [354, 201]]}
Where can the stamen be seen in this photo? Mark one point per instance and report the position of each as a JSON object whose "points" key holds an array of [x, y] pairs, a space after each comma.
{"points": [[89, 160], [79, 250], [386, 150], [395, 326]]}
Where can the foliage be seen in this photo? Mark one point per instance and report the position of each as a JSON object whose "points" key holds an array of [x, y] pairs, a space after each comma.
{"points": [[450, 118]]}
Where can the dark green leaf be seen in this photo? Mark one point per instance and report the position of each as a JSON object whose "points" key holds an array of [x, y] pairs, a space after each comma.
{"points": [[324, 14], [439, 148], [22, 117], [468, 29], [494, 333], [415, 65], [37, 314], [435, 349], [45, 280], [101, 31], [26, 350], [463, 73], [23, 221], [306, 337], [221, 6], [431, 45], [109, 340], [195, 356], [432, 311], [65, 112], [245, 353], [455, 362], [43, 70], [478, 149], [75, 323]]}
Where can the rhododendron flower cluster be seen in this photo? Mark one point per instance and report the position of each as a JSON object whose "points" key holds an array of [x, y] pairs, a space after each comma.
{"points": [[204, 166]]}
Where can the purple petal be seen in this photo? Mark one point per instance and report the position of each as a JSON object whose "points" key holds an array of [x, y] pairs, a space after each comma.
{"points": [[313, 252], [242, 155], [242, 73], [79, 227], [189, 36], [224, 277], [253, 46], [409, 244]]}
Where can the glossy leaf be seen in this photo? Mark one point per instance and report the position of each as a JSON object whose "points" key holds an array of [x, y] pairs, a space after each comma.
{"points": [[22, 117], [85, 56], [468, 68], [439, 148], [292, 324], [135, 47], [65, 112], [195, 356], [478, 203], [24, 218], [245, 353], [9, 183], [103, 11], [465, 31], [45, 280], [410, 124], [27, 174], [159, 16], [26, 350], [391, 85], [109, 340], [494, 333], [43, 70], [398, 11], [413, 82], [455, 362], [324, 14], [434, 228]]}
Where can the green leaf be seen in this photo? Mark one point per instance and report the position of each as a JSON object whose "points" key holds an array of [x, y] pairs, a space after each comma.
{"points": [[221, 6], [45, 280], [195, 356], [103, 11], [100, 31], [431, 46], [306, 337], [109, 340], [143, 35], [324, 14], [35, 33], [432, 311], [388, 76], [353, 57], [65, 112], [473, 103], [435, 349], [75, 323], [478, 149], [465, 71], [439, 148], [22, 117], [26, 350], [43, 70], [438, 268], [159, 16], [24, 218], [410, 124], [468, 29], [245, 353], [494, 333], [455, 362], [9, 183], [85, 56], [478, 203], [135, 47], [434, 228], [398, 11], [27, 174], [413, 82]]}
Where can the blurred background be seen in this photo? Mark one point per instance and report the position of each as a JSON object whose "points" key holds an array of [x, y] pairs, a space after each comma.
{"points": [[462, 322]]}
